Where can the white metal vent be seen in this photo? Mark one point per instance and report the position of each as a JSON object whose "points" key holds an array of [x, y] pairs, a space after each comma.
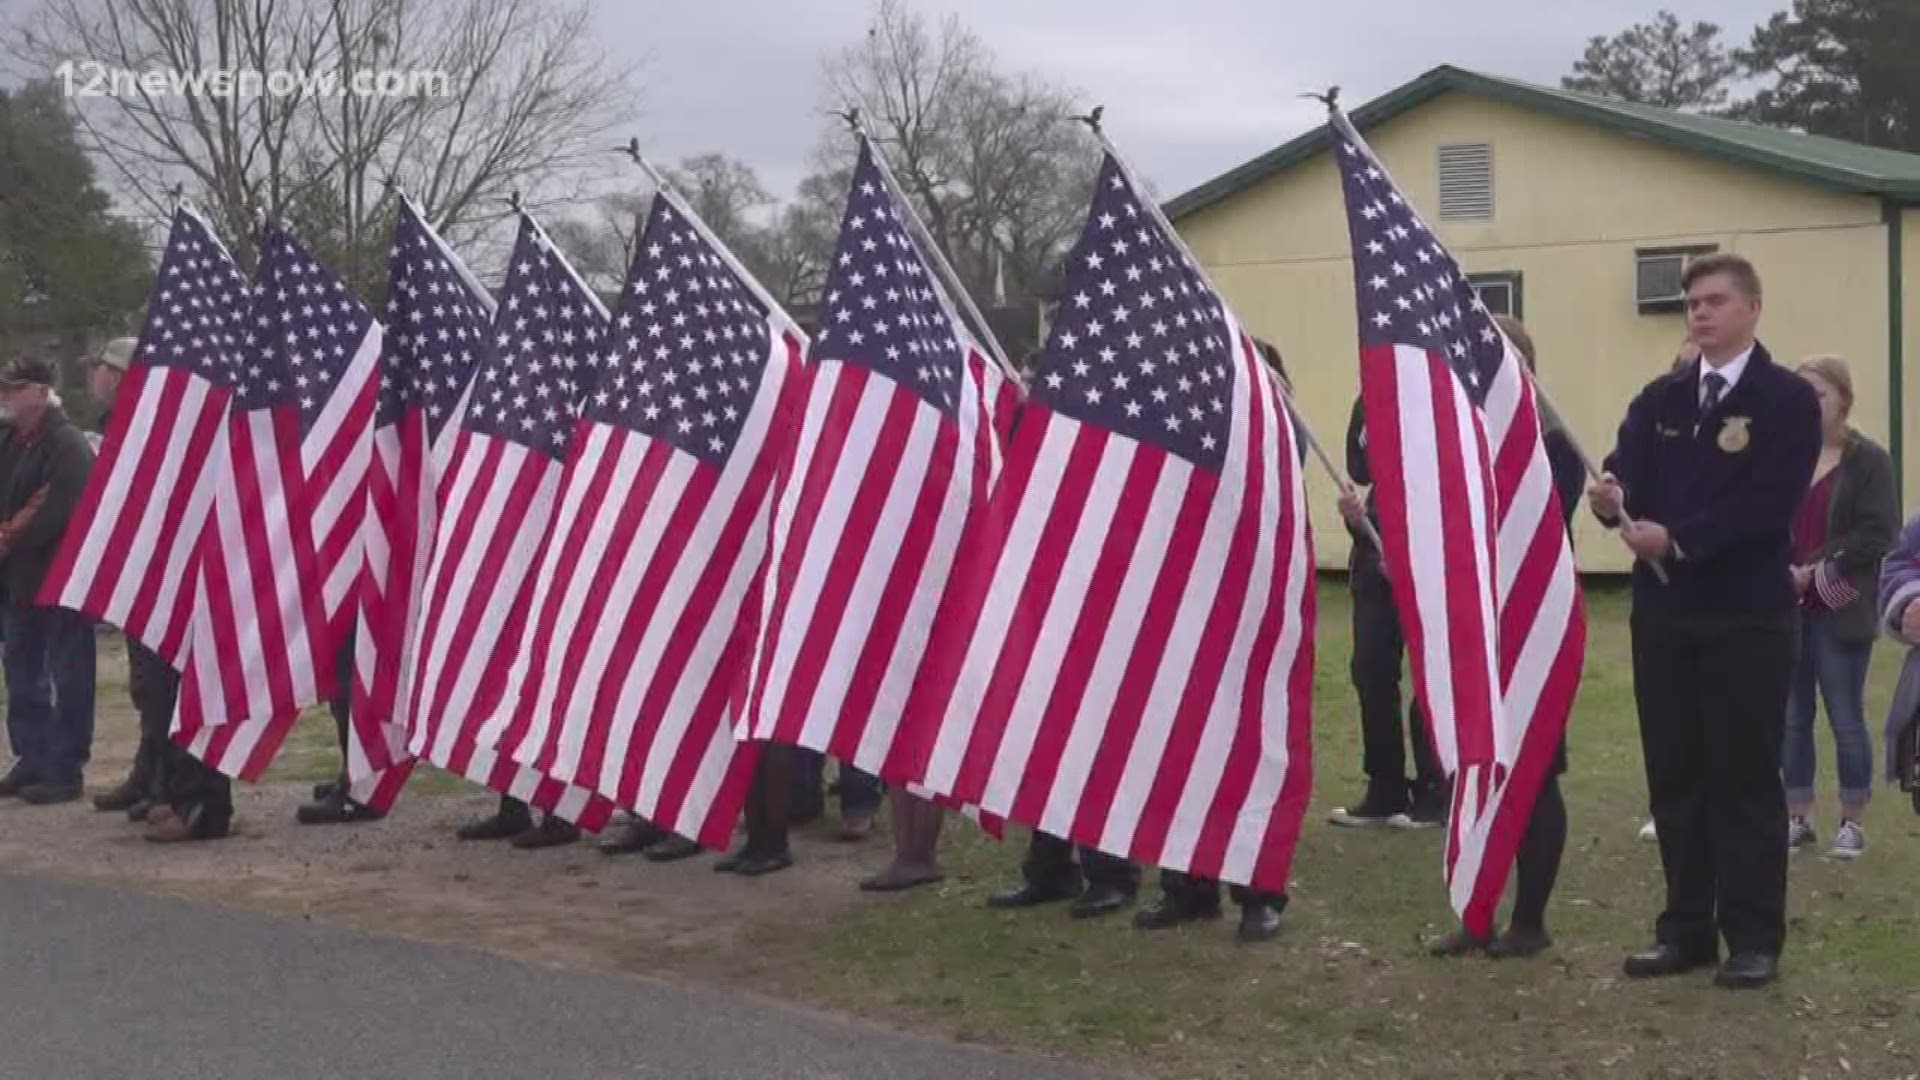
{"points": [[1466, 182]]}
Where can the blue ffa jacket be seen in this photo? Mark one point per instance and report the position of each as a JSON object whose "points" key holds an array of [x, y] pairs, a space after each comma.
{"points": [[1725, 485]]}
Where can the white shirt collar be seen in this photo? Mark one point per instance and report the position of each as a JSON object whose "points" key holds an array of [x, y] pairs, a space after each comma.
{"points": [[1730, 371]]}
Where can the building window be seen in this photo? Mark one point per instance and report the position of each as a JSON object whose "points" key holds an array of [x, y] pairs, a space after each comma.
{"points": [[1466, 182], [1500, 292], [1657, 277]]}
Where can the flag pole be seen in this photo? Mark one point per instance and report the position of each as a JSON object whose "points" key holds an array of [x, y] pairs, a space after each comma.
{"points": [[954, 286], [1340, 478], [1345, 126], [667, 192]]}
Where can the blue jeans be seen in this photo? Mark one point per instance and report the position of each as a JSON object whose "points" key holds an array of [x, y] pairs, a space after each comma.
{"points": [[49, 655], [1839, 672]]}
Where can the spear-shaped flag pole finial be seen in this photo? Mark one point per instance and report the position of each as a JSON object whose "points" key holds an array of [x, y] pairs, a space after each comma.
{"points": [[1092, 119], [851, 116], [1331, 99]]}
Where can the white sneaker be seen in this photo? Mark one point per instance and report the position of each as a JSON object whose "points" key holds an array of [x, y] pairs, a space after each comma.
{"points": [[1800, 834], [1649, 834], [1850, 842]]}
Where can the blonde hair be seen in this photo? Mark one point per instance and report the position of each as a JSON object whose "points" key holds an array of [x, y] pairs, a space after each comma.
{"points": [[1833, 371], [1516, 332]]}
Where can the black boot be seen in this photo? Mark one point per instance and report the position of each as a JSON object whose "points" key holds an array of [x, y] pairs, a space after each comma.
{"points": [[503, 824], [1100, 899], [551, 832], [1031, 895], [673, 849], [633, 835], [1169, 913], [336, 809]]}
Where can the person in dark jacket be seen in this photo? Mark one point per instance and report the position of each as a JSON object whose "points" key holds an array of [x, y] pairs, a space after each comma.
{"points": [[1845, 527], [1378, 647], [1710, 466], [49, 655], [1537, 862]]}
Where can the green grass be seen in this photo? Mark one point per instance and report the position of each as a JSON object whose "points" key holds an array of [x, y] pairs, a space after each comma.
{"points": [[1347, 990]]}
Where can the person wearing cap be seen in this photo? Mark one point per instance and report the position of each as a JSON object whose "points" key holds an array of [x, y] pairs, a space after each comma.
{"points": [[49, 653], [104, 376], [144, 786]]}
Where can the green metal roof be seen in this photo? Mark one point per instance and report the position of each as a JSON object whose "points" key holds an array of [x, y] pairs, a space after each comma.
{"points": [[1833, 163]]}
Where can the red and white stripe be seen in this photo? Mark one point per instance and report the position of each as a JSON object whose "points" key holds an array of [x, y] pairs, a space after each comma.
{"points": [[408, 469], [1127, 660], [127, 557], [866, 526], [638, 650], [279, 551], [1483, 577], [497, 505]]}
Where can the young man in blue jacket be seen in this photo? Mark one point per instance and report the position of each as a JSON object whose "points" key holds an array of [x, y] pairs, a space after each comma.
{"points": [[1710, 465]]}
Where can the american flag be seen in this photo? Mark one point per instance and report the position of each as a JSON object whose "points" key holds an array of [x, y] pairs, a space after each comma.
{"points": [[658, 545], [1830, 584], [1476, 546], [896, 442], [281, 547], [127, 555], [497, 503], [438, 317], [1126, 659]]}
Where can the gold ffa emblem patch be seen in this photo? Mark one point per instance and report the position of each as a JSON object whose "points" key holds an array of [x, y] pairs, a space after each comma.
{"points": [[1734, 435]]}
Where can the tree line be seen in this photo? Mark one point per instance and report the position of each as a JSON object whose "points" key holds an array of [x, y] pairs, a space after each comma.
{"points": [[1841, 68]]}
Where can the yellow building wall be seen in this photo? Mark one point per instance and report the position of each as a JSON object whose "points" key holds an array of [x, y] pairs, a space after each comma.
{"points": [[1572, 204]]}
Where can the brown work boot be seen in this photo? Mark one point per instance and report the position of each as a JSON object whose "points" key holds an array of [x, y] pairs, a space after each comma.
{"points": [[196, 825]]}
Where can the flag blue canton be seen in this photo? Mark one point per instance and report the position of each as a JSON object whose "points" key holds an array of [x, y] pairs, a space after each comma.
{"points": [[883, 309], [199, 306], [1140, 345], [436, 328], [305, 327], [689, 347], [1412, 293], [547, 336]]}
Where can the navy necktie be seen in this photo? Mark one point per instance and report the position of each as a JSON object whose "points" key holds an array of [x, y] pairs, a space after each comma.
{"points": [[1715, 385]]}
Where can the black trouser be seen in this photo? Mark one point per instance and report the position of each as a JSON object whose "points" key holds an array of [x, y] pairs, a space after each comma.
{"points": [[1190, 892], [154, 706], [1537, 865], [1711, 695], [341, 704], [174, 776], [770, 801], [860, 793], [1049, 866], [1377, 651]]}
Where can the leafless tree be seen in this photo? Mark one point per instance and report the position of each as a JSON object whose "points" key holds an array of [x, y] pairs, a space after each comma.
{"points": [[527, 103], [600, 242], [993, 160]]}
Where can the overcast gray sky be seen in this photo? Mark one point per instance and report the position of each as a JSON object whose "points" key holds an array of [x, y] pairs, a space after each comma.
{"points": [[1192, 87]]}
